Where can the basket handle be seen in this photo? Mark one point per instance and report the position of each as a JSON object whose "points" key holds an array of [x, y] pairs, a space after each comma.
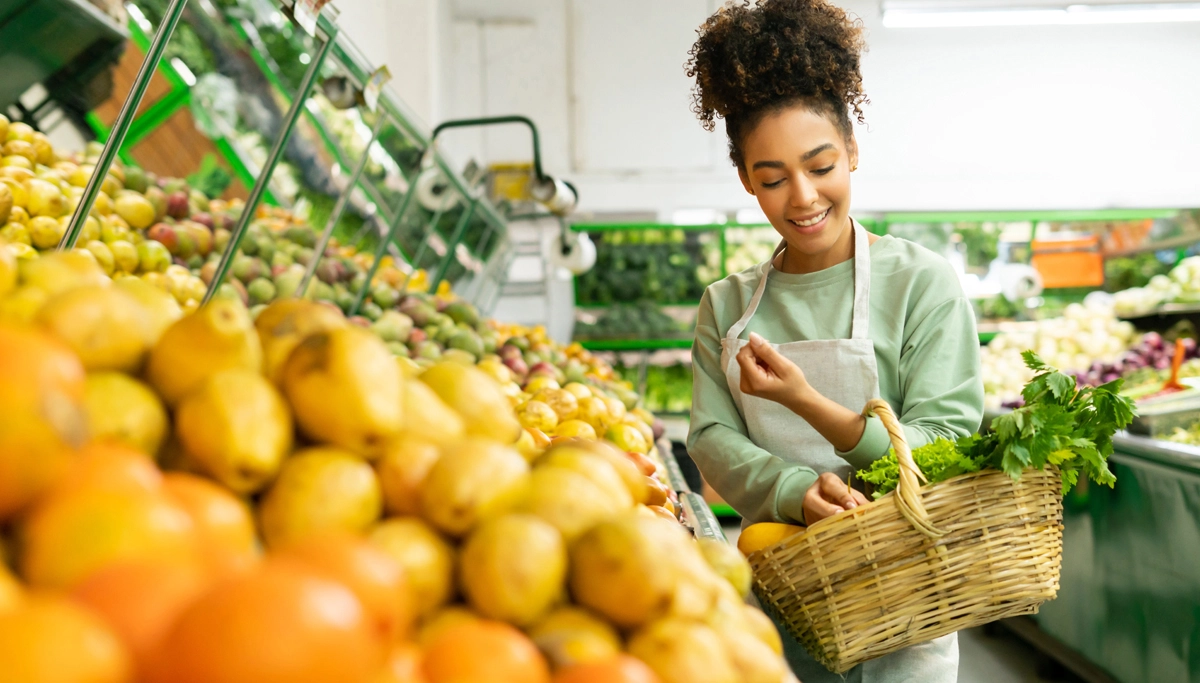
{"points": [[908, 488]]}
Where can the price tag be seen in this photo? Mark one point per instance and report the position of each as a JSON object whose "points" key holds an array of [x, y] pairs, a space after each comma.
{"points": [[703, 523], [306, 12], [374, 87]]}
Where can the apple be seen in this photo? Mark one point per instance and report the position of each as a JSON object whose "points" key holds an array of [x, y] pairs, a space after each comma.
{"points": [[165, 235]]}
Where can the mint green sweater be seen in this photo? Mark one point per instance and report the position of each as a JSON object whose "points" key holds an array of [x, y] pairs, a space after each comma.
{"points": [[926, 349]]}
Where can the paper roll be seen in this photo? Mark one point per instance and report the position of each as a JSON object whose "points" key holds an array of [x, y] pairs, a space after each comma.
{"points": [[1019, 282], [434, 192], [579, 256]]}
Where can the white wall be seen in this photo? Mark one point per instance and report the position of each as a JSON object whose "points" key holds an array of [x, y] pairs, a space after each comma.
{"points": [[403, 34], [1000, 118]]}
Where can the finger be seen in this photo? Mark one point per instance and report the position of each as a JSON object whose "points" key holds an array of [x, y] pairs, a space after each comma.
{"points": [[835, 491], [817, 508], [769, 354], [860, 498], [751, 370]]}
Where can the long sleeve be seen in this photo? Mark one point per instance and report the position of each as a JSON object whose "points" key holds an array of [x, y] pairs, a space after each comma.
{"points": [[760, 486], [939, 381]]}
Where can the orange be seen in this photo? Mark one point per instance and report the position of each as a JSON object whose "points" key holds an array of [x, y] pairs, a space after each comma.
{"points": [[280, 623], [42, 416], [224, 526], [69, 536], [140, 600], [403, 666], [112, 467], [621, 669], [484, 651], [376, 578], [49, 639]]}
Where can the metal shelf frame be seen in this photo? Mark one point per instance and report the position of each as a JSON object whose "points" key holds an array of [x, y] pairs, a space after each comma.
{"points": [[331, 48]]}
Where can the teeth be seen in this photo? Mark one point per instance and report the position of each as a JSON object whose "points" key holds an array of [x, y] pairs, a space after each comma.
{"points": [[812, 221]]}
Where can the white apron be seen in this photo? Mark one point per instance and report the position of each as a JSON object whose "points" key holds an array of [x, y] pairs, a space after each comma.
{"points": [[844, 371]]}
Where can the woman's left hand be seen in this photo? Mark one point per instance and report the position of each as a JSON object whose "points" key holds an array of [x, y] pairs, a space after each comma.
{"points": [[767, 374]]}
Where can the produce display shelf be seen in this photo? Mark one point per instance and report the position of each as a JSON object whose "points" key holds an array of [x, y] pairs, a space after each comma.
{"points": [[1130, 591], [1165, 317], [635, 344], [1026, 216]]}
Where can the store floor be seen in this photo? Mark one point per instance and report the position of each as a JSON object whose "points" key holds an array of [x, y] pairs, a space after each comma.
{"points": [[991, 655]]}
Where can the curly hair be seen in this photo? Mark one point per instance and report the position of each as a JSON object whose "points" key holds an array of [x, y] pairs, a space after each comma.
{"points": [[753, 60]]}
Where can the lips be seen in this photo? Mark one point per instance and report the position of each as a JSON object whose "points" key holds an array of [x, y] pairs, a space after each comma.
{"points": [[810, 222]]}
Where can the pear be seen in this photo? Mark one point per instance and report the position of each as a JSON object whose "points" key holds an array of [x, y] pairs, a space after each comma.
{"points": [[218, 336], [284, 323], [512, 568], [427, 558], [320, 490], [345, 389], [60, 271], [402, 470], [595, 468], [683, 651], [726, 561], [617, 568], [477, 398], [237, 428], [106, 327], [8, 266], [161, 308], [569, 635], [428, 418], [472, 481], [122, 410], [566, 499]]}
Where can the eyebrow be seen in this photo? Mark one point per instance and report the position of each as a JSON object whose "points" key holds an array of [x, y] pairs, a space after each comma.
{"points": [[807, 155]]}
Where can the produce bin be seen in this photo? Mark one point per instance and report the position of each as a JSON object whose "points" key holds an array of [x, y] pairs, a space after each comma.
{"points": [[43, 37], [1130, 595]]}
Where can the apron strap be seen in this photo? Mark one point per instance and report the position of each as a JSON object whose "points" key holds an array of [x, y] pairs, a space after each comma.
{"points": [[860, 321], [862, 282], [764, 268]]}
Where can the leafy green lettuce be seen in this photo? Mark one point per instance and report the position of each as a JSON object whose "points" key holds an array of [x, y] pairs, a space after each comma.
{"points": [[940, 460]]}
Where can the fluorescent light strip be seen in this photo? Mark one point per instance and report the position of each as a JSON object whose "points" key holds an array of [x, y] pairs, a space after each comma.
{"points": [[1049, 16]]}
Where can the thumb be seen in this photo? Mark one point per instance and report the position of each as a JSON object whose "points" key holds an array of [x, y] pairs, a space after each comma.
{"points": [[767, 353]]}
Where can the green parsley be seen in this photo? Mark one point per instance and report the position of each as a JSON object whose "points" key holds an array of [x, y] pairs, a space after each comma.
{"points": [[1060, 424]]}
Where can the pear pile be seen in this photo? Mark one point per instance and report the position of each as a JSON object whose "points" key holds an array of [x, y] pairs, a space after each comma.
{"points": [[340, 512], [171, 235]]}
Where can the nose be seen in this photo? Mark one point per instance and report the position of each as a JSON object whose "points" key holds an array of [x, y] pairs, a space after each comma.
{"points": [[803, 193]]}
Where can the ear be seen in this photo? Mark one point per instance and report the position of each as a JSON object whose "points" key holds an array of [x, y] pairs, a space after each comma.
{"points": [[745, 180], [852, 151]]}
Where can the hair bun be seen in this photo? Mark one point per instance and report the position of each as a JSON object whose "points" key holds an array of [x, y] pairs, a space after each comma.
{"points": [[752, 57]]}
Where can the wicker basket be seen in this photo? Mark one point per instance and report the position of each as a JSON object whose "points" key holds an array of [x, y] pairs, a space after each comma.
{"points": [[916, 564]]}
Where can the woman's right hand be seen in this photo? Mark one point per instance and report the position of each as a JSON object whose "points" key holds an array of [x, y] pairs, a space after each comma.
{"points": [[828, 496]]}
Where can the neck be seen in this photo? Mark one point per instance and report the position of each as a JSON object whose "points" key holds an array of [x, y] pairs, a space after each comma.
{"points": [[797, 262]]}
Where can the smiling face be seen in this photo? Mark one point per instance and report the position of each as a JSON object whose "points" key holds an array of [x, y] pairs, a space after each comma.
{"points": [[797, 164]]}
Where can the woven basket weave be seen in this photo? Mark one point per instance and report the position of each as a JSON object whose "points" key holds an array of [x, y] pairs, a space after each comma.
{"points": [[916, 564]]}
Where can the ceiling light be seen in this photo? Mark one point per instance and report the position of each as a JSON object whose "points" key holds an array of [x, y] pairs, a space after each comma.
{"points": [[1066, 14]]}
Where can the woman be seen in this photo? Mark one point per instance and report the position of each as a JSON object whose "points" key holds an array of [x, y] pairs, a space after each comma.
{"points": [[776, 429]]}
